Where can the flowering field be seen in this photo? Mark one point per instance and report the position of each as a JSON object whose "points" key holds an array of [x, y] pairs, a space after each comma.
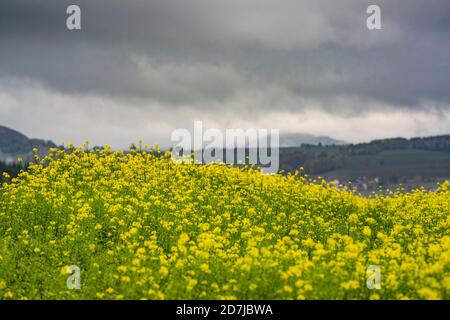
{"points": [[140, 226]]}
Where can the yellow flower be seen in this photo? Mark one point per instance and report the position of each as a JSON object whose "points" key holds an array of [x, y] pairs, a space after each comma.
{"points": [[191, 284], [287, 289], [183, 239], [429, 294], [163, 271], [353, 218], [205, 268], [308, 242], [367, 231], [122, 268], [65, 270], [136, 262]]}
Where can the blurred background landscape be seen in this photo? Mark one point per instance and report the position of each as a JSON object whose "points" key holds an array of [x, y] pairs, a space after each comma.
{"points": [[365, 167]]}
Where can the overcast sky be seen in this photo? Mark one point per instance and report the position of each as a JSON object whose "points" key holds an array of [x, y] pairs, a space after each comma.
{"points": [[140, 69]]}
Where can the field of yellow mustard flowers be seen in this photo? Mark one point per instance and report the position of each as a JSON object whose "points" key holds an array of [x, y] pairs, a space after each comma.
{"points": [[140, 226]]}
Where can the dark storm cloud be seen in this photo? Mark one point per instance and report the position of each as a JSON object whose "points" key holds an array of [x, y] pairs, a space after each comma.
{"points": [[199, 53]]}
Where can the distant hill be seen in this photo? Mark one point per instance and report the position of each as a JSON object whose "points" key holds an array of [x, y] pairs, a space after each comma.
{"points": [[298, 139], [435, 143], [14, 144], [411, 162]]}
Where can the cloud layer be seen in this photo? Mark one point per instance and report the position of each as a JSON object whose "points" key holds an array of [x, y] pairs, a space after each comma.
{"points": [[142, 68]]}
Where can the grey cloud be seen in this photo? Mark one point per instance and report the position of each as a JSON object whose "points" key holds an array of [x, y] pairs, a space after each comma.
{"points": [[215, 54]]}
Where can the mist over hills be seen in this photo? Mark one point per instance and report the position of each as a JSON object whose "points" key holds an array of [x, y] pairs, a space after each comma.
{"points": [[297, 139], [14, 144]]}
